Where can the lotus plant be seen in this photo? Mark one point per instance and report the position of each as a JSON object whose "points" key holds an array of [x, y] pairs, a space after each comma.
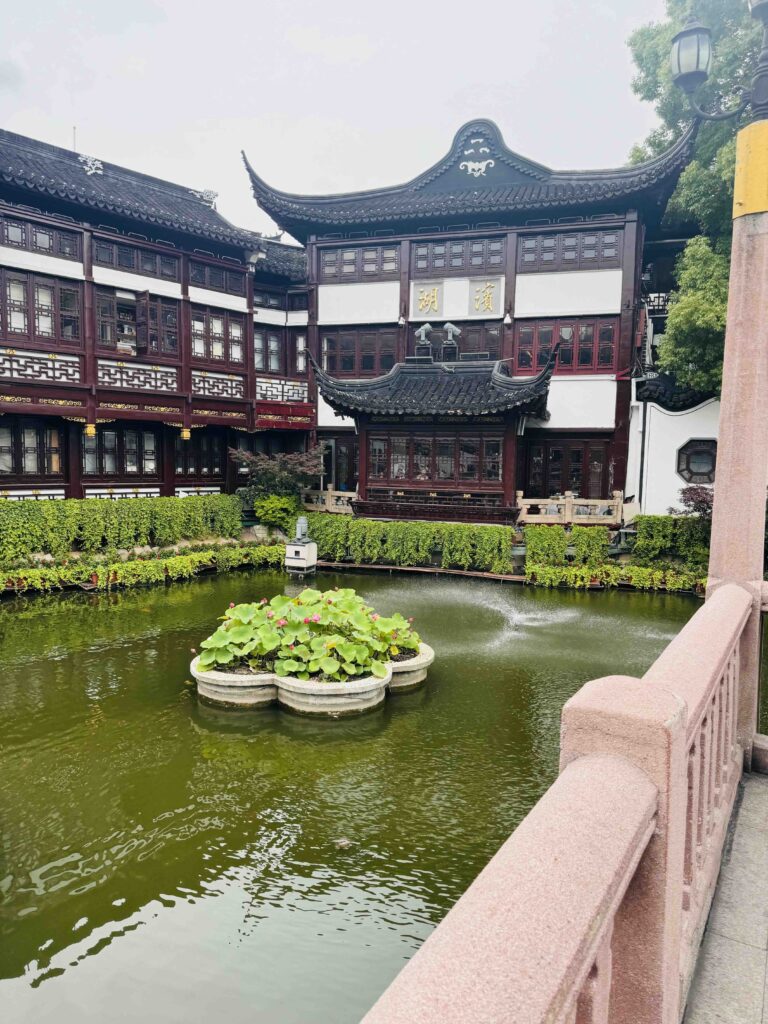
{"points": [[332, 635]]}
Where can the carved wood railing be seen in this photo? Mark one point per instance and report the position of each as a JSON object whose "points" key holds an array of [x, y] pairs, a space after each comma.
{"points": [[593, 910], [569, 509]]}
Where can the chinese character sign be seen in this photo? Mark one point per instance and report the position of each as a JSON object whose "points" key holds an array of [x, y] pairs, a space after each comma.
{"points": [[484, 297], [428, 300]]}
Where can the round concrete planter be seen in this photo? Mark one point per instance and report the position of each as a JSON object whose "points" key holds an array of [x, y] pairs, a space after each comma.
{"points": [[333, 700], [234, 689], [409, 675]]}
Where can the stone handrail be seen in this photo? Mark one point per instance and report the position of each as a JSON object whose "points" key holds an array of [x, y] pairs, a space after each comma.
{"points": [[329, 501], [587, 919], [569, 509], [530, 939]]}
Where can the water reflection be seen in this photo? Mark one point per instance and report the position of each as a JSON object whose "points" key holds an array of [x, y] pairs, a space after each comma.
{"points": [[156, 849]]}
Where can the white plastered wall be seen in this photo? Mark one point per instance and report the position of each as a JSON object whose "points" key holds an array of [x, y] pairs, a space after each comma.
{"points": [[372, 302], [569, 293], [665, 433]]}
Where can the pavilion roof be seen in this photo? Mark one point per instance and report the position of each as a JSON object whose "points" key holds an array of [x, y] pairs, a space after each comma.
{"points": [[422, 387], [480, 176]]}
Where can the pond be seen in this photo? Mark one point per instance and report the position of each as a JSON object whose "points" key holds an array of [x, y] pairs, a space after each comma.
{"points": [[164, 861]]}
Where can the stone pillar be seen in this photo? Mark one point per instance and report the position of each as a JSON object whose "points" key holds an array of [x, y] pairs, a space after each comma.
{"points": [[647, 726], [738, 525]]}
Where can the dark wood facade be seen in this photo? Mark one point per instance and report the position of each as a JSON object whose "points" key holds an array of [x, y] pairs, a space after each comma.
{"points": [[132, 352]]}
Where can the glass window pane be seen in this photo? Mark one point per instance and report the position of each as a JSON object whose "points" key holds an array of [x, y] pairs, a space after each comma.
{"points": [[469, 451], [399, 456]]}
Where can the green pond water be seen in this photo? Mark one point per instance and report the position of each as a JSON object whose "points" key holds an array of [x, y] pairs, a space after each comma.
{"points": [[163, 861]]}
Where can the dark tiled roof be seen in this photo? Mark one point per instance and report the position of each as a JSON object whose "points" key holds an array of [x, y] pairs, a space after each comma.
{"points": [[283, 260], [49, 170], [666, 392], [422, 387], [479, 176]]}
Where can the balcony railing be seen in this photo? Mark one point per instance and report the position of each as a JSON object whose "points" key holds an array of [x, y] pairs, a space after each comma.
{"points": [[569, 509], [593, 910], [329, 501]]}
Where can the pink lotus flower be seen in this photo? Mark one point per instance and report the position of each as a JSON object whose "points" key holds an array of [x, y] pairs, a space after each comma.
{"points": [[316, 617], [270, 614]]}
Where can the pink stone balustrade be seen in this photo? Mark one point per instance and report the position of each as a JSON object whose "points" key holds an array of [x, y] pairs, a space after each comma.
{"points": [[593, 910]]}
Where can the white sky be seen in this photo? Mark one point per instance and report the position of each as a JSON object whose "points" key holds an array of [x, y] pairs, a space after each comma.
{"points": [[323, 95]]}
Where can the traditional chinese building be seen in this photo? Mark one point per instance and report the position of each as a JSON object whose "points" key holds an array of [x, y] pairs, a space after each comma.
{"points": [[484, 263], [142, 333]]}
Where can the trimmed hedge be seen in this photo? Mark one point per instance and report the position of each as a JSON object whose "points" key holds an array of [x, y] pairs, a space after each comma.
{"points": [[143, 572], [342, 538], [94, 524], [613, 575]]}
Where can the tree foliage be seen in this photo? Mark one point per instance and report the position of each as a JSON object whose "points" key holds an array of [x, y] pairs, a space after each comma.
{"points": [[693, 344], [285, 473]]}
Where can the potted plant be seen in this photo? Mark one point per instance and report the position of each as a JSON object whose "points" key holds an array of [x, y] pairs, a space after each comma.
{"points": [[320, 653]]}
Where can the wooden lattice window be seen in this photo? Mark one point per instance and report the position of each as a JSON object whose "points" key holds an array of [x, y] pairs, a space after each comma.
{"points": [[368, 263], [575, 250], [460, 256], [41, 309]]}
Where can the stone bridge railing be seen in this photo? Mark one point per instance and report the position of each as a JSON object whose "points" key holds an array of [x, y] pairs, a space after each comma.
{"points": [[593, 910]]}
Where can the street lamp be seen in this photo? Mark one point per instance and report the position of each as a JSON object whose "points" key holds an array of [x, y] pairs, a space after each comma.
{"points": [[691, 61]]}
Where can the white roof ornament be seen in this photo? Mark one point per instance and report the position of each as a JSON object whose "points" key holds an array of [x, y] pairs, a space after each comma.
{"points": [[91, 165], [207, 195]]}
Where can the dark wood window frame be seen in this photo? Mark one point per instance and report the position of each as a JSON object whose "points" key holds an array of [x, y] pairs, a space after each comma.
{"points": [[216, 278], [31, 449], [42, 238], [360, 263], [588, 345], [28, 315], [444, 257], [217, 336], [202, 456], [122, 451], [475, 338], [269, 350], [570, 250], [558, 464], [689, 469], [135, 260], [358, 351], [422, 459]]}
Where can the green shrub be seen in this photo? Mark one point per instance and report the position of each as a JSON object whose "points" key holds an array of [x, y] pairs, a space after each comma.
{"points": [[545, 545], [96, 524], [370, 542], [142, 572], [330, 636], [590, 544], [279, 510], [613, 574]]}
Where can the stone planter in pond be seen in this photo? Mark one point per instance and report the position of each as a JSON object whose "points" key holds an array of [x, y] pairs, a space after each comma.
{"points": [[310, 697], [234, 689], [410, 674]]}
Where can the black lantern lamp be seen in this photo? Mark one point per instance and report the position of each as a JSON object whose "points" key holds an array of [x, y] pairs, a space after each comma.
{"points": [[691, 61], [691, 56]]}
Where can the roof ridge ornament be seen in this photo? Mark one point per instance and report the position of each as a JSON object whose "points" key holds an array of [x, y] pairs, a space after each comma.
{"points": [[91, 164], [206, 195]]}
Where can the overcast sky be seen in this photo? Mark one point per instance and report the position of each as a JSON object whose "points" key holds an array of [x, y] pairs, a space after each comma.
{"points": [[326, 96]]}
